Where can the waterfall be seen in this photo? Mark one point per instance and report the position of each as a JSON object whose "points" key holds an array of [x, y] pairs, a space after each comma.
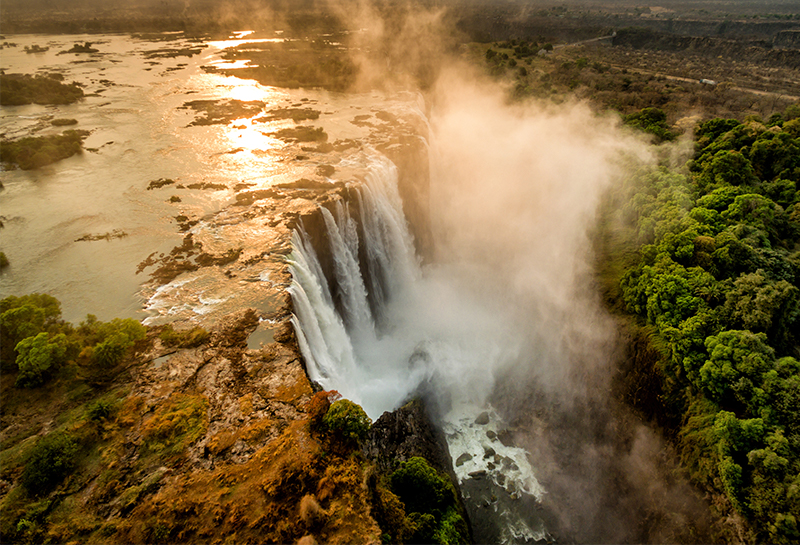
{"points": [[348, 350], [385, 328]]}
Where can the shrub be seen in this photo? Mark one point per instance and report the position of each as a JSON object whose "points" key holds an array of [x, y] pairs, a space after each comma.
{"points": [[453, 528], [18, 89], [51, 460], [420, 487], [99, 410], [178, 422], [37, 357], [109, 352], [33, 152], [62, 122], [347, 420], [118, 336], [652, 120], [424, 528], [25, 316], [430, 501]]}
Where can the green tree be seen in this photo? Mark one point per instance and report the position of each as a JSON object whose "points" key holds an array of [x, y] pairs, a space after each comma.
{"points": [[759, 304], [347, 421], [114, 339], [25, 316], [38, 357], [727, 167], [420, 487], [781, 386], [653, 121], [773, 155], [737, 362], [774, 495]]}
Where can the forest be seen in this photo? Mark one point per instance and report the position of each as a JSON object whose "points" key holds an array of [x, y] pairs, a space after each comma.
{"points": [[706, 261]]}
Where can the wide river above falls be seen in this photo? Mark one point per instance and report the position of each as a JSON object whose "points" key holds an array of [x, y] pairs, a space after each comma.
{"points": [[79, 228]]}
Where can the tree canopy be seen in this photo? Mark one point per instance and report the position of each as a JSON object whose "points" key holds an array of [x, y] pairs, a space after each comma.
{"points": [[716, 278]]}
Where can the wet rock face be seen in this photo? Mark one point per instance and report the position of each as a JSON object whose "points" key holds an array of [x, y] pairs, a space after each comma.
{"points": [[404, 433]]}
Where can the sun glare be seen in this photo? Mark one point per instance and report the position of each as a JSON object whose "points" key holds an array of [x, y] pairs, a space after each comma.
{"points": [[247, 92], [248, 136]]}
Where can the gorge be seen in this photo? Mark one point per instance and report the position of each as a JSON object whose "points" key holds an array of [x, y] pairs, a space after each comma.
{"points": [[428, 251]]}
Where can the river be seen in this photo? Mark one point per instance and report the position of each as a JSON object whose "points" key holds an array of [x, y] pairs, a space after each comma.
{"points": [[502, 330], [135, 90]]}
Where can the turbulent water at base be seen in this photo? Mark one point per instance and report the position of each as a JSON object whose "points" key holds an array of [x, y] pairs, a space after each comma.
{"points": [[400, 330]]}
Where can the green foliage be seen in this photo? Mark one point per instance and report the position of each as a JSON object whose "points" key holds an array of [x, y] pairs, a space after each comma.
{"points": [[111, 340], [180, 421], [452, 529], [99, 410], [759, 304], [420, 487], [33, 152], [38, 356], [318, 406], [36, 340], [430, 501], [726, 168], [26, 316], [18, 89], [347, 421], [653, 121], [51, 460], [717, 282]]}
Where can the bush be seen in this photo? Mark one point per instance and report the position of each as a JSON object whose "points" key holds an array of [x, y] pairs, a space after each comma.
{"points": [[38, 356], [430, 501], [99, 410], [420, 487], [18, 89], [178, 422], [347, 420], [37, 151], [51, 460], [25, 316], [116, 338], [652, 120]]}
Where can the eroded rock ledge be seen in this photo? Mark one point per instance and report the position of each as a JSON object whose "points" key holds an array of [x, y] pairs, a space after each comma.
{"points": [[260, 471]]}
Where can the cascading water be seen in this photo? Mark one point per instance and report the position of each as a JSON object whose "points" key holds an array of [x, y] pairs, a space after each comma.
{"points": [[346, 350], [397, 331]]}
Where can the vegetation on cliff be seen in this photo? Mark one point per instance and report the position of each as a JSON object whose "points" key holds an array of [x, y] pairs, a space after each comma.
{"points": [[101, 443], [709, 263], [67, 409]]}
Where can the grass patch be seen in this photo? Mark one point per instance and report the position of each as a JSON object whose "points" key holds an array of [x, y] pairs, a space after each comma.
{"points": [[179, 422]]}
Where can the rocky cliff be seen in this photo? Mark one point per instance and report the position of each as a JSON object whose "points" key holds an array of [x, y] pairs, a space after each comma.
{"points": [[212, 441]]}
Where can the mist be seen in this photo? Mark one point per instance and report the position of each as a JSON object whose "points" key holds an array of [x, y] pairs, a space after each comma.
{"points": [[506, 316]]}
